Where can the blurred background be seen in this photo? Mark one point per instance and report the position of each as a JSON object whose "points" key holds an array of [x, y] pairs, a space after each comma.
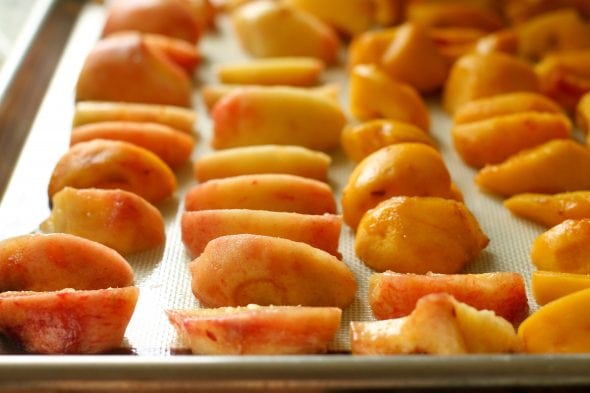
{"points": [[13, 14]]}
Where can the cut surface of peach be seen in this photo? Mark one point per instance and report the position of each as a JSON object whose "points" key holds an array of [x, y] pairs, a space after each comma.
{"points": [[56, 261], [198, 228], [237, 270], [550, 209], [394, 295], [350, 17], [561, 326], [256, 330], [549, 286], [67, 321], [275, 192], [290, 71]]}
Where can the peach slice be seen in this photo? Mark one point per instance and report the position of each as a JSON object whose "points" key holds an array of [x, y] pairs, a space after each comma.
{"points": [[200, 227], [374, 94], [583, 115], [274, 29], [205, 12], [172, 146], [181, 119], [277, 115], [67, 321], [453, 14], [255, 330], [505, 41], [411, 169], [454, 42], [476, 76], [56, 261], [237, 270], [109, 74], [369, 47], [564, 248], [561, 326], [394, 295], [549, 286], [439, 325], [387, 12], [171, 18], [359, 141], [290, 71], [113, 164], [518, 11], [419, 235], [118, 219], [351, 17], [550, 210], [249, 160], [275, 192], [555, 166]]}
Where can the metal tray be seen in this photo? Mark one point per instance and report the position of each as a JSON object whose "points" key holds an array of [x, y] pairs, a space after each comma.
{"points": [[150, 366]]}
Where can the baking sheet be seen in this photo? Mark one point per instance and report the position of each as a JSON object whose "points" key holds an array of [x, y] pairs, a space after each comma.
{"points": [[164, 281]]}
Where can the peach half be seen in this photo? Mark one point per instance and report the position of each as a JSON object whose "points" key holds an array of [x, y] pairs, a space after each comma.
{"points": [[113, 164], [255, 330], [237, 270]]}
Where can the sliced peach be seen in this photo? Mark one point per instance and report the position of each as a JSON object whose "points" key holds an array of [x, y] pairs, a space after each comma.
{"points": [[56, 261], [255, 330], [562, 326], [205, 12], [394, 295], [564, 248], [456, 14], [550, 210], [387, 12], [476, 76], [555, 166], [109, 74], [374, 94], [249, 160], [439, 325], [118, 219], [166, 17], [172, 146], [182, 119], [351, 17], [411, 169], [454, 42], [493, 140], [518, 11], [505, 41], [583, 115], [113, 164], [549, 286], [369, 47], [275, 192], [277, 115], [419, 235], [290, 71], [200, 227], [238, 270], [67, 321], [271, 29]]}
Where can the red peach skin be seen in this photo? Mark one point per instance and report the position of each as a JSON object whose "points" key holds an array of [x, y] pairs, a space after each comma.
{"points": [[67, 321], [200, 227], [394, 295], [237, 270], [275, 192], [56, 261], [255, 330]]}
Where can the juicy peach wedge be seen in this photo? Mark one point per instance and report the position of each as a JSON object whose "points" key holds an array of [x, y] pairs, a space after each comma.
{"points": [[289, 71], [249, 160], [374, 94], [505, 41], [113, 164], [394, 295], [369, 47], [67, 321], [200, 227], [564, 248], [256, 330], [56, 261], [583, 115], [550, 210], [274, 29], [118, 219], [88, 112], [277, 115], [172, 146], [561, 326], [275, 192], [556, 166], [350, 17], [108, 75], [359, 141], [452, 42], [237, 270], [439, 325], [454, 13], [549, 286]]}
